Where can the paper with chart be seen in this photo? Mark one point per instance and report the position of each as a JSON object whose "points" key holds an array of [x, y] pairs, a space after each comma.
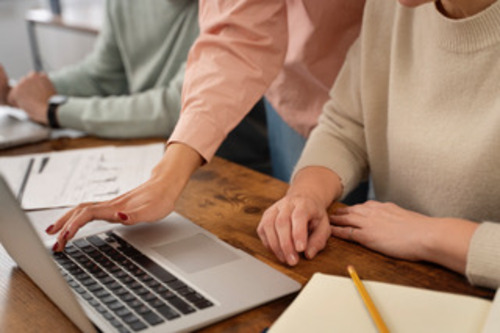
{"points": [[63, 179]]}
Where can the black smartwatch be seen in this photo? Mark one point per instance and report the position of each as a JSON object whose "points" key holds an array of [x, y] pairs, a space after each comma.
{"points": [[54, 102]]}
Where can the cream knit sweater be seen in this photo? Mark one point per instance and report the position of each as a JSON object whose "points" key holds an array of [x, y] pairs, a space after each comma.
{"points": [[417, 105]]}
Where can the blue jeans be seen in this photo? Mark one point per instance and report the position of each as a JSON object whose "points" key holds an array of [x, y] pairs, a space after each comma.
{"points": [[285, 144]]}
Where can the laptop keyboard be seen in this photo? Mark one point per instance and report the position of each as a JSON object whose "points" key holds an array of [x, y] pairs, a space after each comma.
{"points": [[127, 288]]}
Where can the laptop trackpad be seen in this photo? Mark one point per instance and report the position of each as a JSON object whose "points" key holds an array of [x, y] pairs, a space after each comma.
{"points": [[196, 253]]}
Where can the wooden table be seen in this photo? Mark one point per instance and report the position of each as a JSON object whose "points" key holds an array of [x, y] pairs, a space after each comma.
{"points": [[227, 200]]}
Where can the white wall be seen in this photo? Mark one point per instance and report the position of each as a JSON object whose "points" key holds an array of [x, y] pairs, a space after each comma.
{"points": [[15, 53], [58, 47]]}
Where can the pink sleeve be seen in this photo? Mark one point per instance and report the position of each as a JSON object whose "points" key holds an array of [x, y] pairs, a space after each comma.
{"points": [[239, 52]]}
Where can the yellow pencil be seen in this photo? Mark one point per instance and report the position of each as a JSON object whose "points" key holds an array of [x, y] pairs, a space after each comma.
{"points": [[379, 322]]}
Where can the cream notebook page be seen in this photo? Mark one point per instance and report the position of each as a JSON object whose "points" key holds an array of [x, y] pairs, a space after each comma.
{"points": [[332, 304]]}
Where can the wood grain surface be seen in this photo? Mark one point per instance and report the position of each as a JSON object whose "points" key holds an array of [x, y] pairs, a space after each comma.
{"points": [[228, 200]]}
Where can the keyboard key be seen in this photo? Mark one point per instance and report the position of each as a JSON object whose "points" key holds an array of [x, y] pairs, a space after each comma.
{"points": [[180, 305], [141, 291], [109, 299], [138, 326], [195, 297], [185, 291], [142, 309], [152, 283], [101, 293], [127, 297], [154, 269], [159, 289], [176, 285], [156, 303], [123, 312], [94, 288], [115, 306], [130, 318], [96, 241], [152, 318], [203, 304], [167, 294], [148, 297], [81, 243], [167, 312], [101, 309], [135, 303]]}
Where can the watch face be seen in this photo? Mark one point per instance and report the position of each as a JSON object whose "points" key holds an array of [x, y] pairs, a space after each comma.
{"points": [[58, 99]]}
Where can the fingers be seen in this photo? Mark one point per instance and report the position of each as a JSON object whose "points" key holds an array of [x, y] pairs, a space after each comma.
{"points": [[318, 237], [346, 233], [283, 229], [300, 216], [267, 233], [72, 221]]}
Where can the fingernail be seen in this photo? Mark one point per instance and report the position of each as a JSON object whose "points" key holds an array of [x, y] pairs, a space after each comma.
{"points": [[299, 246], [54, 248], [49, 229], [310, 253], [292, 259], [65, 236], [123, 216]]}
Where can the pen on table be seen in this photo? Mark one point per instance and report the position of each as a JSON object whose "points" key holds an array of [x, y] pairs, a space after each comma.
{"points": [[25, 180], [44, 162], [379, 322]]}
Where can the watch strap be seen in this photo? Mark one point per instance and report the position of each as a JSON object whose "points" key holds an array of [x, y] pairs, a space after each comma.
{"points": [[52, 116]]}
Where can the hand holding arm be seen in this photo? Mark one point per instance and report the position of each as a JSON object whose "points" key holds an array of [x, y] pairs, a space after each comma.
{"points": [[32, 94], [400, 233], [298, 222], [149, 202]]}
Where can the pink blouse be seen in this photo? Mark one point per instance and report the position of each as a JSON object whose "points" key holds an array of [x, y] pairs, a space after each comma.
{"points": [[290, 50]]}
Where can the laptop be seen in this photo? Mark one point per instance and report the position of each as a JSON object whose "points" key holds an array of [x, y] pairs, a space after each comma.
{"points": [[16, 129], [169, 276]]}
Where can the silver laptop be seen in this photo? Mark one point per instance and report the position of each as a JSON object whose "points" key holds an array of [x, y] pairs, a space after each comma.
{"points": [[168, 276], [16, 129]]}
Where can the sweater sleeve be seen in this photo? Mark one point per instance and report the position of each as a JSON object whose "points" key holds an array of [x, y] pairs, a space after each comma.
{"points": [[102, 73], [338, 142], [152, 113], [240, 50], [483, 259]]}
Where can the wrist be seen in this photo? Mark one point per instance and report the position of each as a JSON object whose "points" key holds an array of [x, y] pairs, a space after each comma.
{"points": [[177, 165], [447, 242], [4, 100], [52, 109], [319, 183]]}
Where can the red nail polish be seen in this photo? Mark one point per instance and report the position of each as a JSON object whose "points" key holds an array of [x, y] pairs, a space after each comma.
{"points": [[54, 248], [50, 228], [65, 236], [123, 216]]}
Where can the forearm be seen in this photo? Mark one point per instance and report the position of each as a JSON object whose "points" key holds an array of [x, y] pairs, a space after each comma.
{"points": [[89, 78], [175, 168], [229, 68], [153, 113], [319, 183]]}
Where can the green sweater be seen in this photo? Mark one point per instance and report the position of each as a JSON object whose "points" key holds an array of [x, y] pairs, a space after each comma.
{"points": [[130, 85]]}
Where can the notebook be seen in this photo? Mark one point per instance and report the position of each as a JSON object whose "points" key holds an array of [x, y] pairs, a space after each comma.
{"points": [[168, 276], [331, 303], [16, 129]]}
